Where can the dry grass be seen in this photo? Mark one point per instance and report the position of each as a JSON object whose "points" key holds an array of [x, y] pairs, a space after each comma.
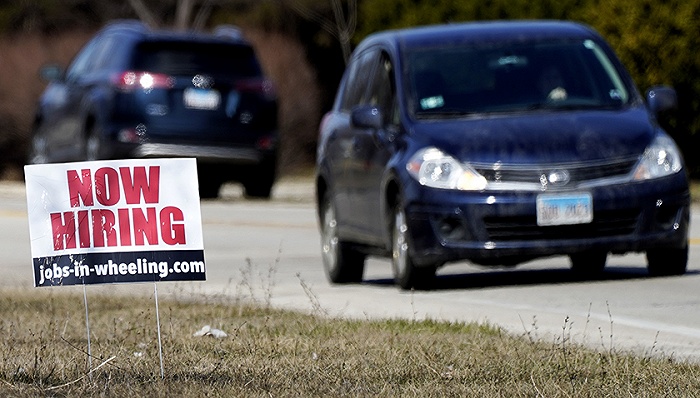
{"points": [[278, 354]]}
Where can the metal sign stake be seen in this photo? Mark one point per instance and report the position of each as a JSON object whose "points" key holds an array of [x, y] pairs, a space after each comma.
{"points": [[87, 326], [160, 346]]}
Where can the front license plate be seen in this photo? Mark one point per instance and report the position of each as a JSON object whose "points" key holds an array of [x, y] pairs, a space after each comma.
{"points": [[195, 98], [564, 209]]}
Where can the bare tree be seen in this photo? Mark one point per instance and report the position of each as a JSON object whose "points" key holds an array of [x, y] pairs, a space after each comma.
{"points": [[202, 16], [183, 13], [144, 13], [343, 28], [345, 24]]}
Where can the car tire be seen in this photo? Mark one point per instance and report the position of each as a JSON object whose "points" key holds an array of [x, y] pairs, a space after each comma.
{"points": [[260, 185], [667, 262], [341, 261], [588, 263], [209, 187], [406, 274], [258, 189], [93, 144]]}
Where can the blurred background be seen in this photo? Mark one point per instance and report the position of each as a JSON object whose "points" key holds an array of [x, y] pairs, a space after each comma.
{"points": [[303, 46]]}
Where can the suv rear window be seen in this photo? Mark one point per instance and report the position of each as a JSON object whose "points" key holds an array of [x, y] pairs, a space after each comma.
{"points": [[187, 58]]}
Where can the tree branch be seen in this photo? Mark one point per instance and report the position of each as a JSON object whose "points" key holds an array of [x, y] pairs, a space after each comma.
{"points": [[183, 13], [144, 13]]}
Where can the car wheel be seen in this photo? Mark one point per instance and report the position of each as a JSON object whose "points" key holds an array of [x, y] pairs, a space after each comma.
{"points": [[209, 187], [342, 263], [93, 145], [406, 274], [259, 186], [588, 263], [258, 189], [38, 153], [667, 262]]}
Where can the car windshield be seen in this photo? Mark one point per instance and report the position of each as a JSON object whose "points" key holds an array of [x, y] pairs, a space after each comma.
{"points": [[453, 81], [186, 58]]}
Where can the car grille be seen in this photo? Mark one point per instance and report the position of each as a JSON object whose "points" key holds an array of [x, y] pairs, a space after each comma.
{"points": [[577, 172], [604, 224]]}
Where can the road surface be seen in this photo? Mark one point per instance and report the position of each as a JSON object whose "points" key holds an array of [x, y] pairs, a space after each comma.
{"points": [[269, 253]]}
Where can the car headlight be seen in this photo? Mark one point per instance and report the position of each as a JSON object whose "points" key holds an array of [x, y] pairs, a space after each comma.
{"points": [[660, 159], [433, 168]]}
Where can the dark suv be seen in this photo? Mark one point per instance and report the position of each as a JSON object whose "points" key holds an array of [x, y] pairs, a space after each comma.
{"points": [[132, 92]]}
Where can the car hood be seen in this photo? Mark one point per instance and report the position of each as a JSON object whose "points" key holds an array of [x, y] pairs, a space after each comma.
{"points": [[544, 137]]}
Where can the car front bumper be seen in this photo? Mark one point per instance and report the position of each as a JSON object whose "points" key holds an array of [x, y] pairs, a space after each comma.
{"points": [[500, 227]]}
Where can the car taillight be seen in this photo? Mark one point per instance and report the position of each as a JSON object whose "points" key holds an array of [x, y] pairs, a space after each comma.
{"points": [[134, 80], [266, 143]]}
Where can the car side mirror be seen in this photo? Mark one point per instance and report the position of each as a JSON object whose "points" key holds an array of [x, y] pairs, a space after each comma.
{"points": [[51, 73], [662, 98], [369, 117]]}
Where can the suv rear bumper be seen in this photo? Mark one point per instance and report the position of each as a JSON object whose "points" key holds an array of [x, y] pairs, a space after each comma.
{"points": [[214, 154]]}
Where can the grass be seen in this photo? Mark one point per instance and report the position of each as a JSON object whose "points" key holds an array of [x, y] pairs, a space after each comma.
{"points": [[270, 353]]}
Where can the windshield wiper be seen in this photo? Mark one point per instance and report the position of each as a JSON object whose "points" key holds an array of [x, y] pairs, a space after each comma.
{"points": [[569, 106], [449, 113]]}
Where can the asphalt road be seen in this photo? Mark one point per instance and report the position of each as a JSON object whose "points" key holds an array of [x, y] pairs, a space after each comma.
{"points": [[269, 252]]}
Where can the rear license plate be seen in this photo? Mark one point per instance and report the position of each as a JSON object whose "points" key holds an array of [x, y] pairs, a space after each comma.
{"points": [[195, 98], [563, 209]]}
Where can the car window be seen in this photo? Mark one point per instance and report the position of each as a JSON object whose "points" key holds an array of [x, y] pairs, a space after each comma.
{"points": [[382, 92], [348, 87], [83, 61], [458, 80], [186, 58], [356, 84], [104, 53]]}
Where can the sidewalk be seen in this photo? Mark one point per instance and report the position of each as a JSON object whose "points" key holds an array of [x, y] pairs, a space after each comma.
{"points": [[292, 189]]}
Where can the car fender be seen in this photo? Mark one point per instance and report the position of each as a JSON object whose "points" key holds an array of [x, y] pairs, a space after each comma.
{"points": [[393, 183], [392, 190], [322, 186]]}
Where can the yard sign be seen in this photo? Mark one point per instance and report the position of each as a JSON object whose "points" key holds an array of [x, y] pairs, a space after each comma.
{"points": [[115, 222]]}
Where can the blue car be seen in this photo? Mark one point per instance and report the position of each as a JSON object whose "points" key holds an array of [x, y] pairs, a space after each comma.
{"points": [[497, 143]]}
